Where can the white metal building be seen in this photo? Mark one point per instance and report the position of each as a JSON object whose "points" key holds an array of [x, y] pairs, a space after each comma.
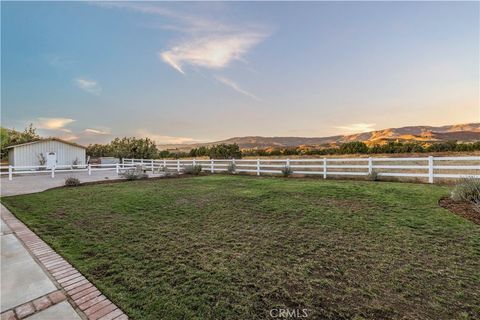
{"points": [[51, 151]]}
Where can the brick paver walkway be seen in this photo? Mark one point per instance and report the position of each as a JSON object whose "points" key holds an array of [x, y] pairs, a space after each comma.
{"points": [[72, 286]]}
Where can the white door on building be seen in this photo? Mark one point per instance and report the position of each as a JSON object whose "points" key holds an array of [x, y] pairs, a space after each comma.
{"points": [[51, 160]]}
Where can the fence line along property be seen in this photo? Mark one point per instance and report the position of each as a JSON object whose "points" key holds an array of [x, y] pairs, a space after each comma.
{"points": [[430, 168], [420, 167]]}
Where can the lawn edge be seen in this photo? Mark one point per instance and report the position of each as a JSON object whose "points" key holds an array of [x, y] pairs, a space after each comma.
{"points": [[56, 267]]}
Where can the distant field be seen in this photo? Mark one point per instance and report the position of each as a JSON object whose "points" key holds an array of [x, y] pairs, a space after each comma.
{"points": [[235, 247]]}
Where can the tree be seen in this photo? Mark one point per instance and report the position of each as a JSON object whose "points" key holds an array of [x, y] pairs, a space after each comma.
{"points": [[353, 147], [442, 146], [225, 151], [144, 148], [10, 137], [99, 150]]}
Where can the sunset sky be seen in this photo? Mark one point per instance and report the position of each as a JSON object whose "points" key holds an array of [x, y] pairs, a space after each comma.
{"points": [[187, 72]]}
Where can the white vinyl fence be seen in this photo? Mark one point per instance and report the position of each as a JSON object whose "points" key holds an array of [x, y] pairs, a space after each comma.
{"points": [[431, 168], [421, 167], [21, 170]]}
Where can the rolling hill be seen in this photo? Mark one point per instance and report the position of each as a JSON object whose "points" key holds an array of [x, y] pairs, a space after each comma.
{"points": [[469, 132]]}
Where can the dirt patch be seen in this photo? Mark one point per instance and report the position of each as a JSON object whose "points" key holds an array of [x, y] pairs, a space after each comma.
{"points": [[59, 214], [463, 209]]}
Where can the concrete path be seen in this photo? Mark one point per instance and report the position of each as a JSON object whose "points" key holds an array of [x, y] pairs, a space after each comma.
{"points": [[63, 310], [31, 183], [25, 284], [22, 278]]}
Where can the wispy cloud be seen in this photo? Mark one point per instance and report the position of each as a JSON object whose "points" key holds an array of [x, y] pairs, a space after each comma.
{"points": [[206, 43], [230, 83], [95, 131], [53, 123], [357, 127], [70, 137], [163, 139], [211, 52], [189, 23], [88, 85]]}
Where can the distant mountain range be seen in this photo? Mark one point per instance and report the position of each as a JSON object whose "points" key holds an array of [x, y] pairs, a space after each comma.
{"points": [[469, 132]]}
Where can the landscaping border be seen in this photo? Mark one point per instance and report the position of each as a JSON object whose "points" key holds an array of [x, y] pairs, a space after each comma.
{"points": [[85, 298], [462, 209]]}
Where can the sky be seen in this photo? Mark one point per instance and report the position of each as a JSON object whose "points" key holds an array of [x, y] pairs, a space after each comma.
{"points": [[184, 72]]}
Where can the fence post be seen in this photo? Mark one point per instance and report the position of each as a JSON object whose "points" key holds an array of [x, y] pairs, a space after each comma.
{"points": [[123, 162], [165, 165], [178, 165], [193, 162], [288, 162], [141, 161], [370, 165], [151, 165], [212, 164], [430, 169], [117, 168], [10, 175], [89, 169], [53, 171], [324, 168], [258, 166]]}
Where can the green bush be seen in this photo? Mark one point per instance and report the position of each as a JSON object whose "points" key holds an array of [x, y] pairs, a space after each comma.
{"points": [[72, 182], [232, 168], [286, 171], [134, 173], [195, 170], [468, 189], [163, 169], [373, 176]]}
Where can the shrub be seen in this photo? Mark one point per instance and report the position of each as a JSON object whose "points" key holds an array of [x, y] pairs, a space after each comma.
{"points": [[286, 171], [373, 176], [168, 172], [72, 182], [232, 168], [75, 163], [134, 173], [468, 189], [195, 170], [163, 169], [41, 159]]}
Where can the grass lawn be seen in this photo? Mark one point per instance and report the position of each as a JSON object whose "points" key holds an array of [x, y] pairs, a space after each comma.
{"points": [[234, 247]]}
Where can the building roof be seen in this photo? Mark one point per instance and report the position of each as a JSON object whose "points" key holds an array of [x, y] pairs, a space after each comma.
{"points": [[47, 139]]}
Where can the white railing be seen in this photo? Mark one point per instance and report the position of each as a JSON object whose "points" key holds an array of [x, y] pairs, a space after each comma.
{"points": [[419, 167], [89, 168], [429, 168]]}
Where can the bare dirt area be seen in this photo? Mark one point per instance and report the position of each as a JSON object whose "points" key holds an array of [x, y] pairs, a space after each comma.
{"points": [[463, 209]]}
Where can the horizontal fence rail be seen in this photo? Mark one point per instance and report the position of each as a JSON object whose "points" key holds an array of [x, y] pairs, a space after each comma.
{"points": [[20, 170], [418, 167], [429, 168]]}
